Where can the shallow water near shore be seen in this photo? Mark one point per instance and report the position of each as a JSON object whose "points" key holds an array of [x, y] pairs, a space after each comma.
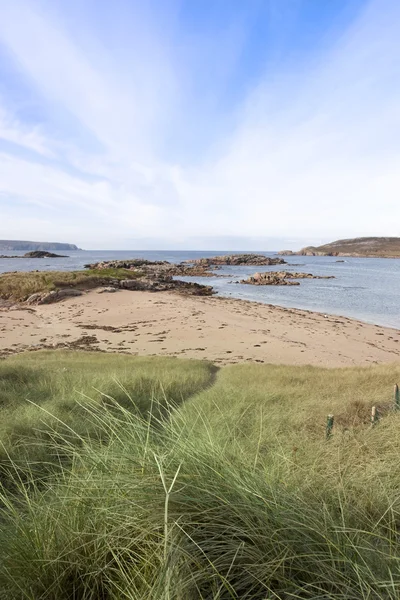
{"points": [[364, 288]]}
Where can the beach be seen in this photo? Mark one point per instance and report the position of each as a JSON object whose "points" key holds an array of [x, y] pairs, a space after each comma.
{"points": [[222, 330]]}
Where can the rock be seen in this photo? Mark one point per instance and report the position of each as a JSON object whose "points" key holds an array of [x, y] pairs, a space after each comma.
{"points": [[237, 260], [268, 279], [107, 290], [294, 275], [162, 285], [53, 296], [188, 288], [155, 269], [42, 254], [133, 263], [34, 298], [281, 278], [286, 253]]}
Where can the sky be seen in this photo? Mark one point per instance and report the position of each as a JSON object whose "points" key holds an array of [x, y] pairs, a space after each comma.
{"points": [[199, 124]]}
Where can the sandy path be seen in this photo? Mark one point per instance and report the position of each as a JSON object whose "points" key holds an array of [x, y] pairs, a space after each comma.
{"points": [[219, 329]]}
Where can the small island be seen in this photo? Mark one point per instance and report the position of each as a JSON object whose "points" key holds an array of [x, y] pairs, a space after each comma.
{"points": [[363, 247], [36, 254], [237, 260], [281, 278]]}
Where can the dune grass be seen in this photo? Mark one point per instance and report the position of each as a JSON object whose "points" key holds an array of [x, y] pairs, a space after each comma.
{"points": [[233, 493], [45, 392], [18, 286]]}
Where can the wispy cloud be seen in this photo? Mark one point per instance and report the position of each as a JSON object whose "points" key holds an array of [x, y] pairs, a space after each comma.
{"points": [[30, 137], [309, 150]]}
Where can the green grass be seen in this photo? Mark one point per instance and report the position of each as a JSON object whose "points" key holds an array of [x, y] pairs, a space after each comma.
{"points": [[19, 286], [47, 391], [236, 494]]}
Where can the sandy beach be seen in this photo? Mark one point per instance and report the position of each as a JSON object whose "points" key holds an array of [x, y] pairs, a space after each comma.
{"points": [[218, 329]]}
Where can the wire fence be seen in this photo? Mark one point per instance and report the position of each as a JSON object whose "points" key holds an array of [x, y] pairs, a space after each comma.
{"points": [[375, 414]]}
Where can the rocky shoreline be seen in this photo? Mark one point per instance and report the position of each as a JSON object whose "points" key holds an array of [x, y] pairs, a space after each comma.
{"points": [[142, 275]]}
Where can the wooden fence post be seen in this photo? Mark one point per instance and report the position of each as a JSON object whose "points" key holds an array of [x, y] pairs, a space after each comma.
{"points": [[396, 397], [374, 416], [329, 426]]}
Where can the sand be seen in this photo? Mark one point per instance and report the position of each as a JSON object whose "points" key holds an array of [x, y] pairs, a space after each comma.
{"points": [[218, 329]]}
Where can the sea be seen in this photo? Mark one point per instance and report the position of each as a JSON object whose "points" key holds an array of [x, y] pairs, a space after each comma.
{"points": [[367, 289]]}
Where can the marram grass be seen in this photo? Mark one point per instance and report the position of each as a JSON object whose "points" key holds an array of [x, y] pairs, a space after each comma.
{"points": [[201, 501]]}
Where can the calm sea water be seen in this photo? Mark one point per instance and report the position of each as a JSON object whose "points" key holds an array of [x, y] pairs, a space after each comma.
{"points": [[365, 288]]}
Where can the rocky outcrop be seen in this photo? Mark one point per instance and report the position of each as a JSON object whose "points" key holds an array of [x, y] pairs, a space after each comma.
{"points": [[281, 278], [156, 268], [134, 263], [166, 284], [237, 260], [42, 254], [137, 284], [268, 279], [294, 275]]}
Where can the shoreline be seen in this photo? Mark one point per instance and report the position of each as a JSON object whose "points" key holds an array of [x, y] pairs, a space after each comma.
{"points": [[222, 330], [309, 310]]}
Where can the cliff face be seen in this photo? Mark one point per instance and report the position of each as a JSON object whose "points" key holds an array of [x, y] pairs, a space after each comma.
{"points": [[378, 247], [12, 245]]}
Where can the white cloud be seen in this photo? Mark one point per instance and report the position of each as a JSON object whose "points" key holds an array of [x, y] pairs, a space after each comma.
{"points": [[12, 130], [313, 155]]}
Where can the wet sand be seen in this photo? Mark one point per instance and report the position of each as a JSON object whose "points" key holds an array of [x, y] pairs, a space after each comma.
{"points": [[222, 330]]}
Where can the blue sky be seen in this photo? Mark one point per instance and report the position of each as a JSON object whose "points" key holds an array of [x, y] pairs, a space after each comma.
{"points": [[199, 124]]}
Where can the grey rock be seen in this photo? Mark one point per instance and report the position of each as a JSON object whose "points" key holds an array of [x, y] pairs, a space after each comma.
{"points": [[107, 290], [53, 296]]}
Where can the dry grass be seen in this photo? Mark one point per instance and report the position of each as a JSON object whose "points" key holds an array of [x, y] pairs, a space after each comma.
{"points": [[292, 402]]}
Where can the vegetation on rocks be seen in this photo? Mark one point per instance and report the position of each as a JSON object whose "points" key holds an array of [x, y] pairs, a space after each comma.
{"points": [[43, 287], [18, 286]]}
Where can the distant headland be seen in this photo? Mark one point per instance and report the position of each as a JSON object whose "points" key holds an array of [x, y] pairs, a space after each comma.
{"points": [[368, 247], [18, 245]]}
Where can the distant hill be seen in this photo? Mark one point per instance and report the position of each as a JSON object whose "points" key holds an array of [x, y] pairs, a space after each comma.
{"points": [[13, 245], [378, 247]]}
